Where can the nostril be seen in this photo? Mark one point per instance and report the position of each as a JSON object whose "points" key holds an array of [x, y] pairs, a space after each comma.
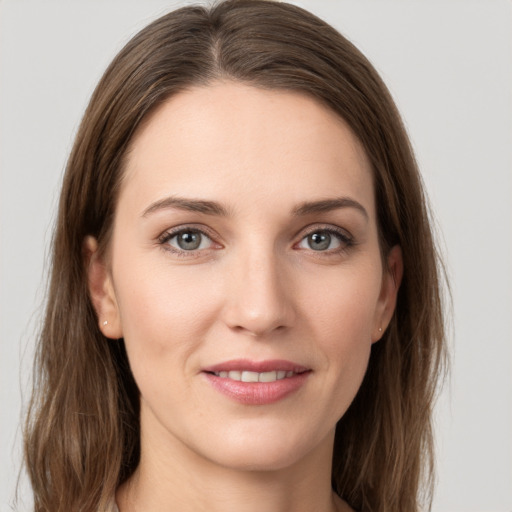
{"points": [[260, 302]]}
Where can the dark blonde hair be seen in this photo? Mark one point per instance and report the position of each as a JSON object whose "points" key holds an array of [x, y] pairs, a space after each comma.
{"points": [[82, 430]]}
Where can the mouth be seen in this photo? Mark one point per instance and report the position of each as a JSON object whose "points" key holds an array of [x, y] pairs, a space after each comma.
{"points": [[249, 376], [257, 383]]}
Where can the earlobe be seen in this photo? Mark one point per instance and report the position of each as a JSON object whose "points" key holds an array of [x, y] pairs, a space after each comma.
{"points": [[391, 280], [101, 290]]}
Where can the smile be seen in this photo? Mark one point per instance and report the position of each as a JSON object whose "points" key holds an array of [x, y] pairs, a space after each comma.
{"points": [[248, 376], [256, 383]]}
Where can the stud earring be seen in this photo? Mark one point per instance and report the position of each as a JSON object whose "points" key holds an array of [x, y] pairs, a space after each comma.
{"points": [[105, 322], [380, 329]]}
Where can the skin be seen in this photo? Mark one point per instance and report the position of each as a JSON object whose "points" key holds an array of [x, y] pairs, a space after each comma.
{"points": [[255, 289]]}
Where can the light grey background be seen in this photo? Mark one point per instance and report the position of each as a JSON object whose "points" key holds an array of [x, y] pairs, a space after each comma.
{"points": [[448, 64]]}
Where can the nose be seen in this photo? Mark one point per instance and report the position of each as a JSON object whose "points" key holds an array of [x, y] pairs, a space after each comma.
{"points": [[259, 296]]}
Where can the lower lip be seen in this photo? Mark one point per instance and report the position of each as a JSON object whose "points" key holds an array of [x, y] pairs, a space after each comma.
{"points": [[257, 393]]}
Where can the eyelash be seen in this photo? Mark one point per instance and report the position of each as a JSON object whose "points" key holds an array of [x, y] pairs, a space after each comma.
{"points": [[164, 238], [346, 241]]}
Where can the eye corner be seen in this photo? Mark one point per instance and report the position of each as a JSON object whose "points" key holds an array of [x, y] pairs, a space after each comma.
{"points": [[203, 242], [329, 235]]}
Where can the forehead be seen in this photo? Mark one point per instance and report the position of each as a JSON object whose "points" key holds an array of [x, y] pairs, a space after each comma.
{"points": [[230, 141]]}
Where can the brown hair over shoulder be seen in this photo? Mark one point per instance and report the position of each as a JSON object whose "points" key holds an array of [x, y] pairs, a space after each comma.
{"points": [[82, 430]]}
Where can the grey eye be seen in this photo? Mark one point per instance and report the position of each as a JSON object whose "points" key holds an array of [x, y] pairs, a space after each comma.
{"points": [[321, 240], [190, 240]]}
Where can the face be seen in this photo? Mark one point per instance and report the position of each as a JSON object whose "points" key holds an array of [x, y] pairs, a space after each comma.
{"points": [[245, 275]]}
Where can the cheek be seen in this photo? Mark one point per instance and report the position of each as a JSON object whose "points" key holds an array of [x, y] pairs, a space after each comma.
{"points": [[343, 304], [342, 317], [165, 313]]}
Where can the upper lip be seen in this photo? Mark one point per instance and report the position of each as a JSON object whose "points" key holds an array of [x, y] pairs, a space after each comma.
{"points": [[256, 366]]}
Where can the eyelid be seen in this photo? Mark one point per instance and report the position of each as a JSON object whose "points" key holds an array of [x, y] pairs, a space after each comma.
{"points": [[345, 237], [170, 233], [330, 228]]}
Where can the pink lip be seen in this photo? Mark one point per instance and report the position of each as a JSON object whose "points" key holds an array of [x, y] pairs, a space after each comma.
{"points": [[257, 393], [256, 366]]}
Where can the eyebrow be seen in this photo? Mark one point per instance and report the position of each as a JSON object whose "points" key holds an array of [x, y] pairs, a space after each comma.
{"points": [[327, 205], [190, 205], [215, 208]]}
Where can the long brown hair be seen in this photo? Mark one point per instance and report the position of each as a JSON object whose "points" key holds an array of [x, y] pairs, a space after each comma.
{"points": [[82, 430]]}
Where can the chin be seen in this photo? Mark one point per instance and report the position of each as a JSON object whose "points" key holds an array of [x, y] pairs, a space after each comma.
{"points": [[262, 450], [257, 459]]}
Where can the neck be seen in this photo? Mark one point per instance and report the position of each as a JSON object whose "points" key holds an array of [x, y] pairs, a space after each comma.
{"points": [[172, 477]]}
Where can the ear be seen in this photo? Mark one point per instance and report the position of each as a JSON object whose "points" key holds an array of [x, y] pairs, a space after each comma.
{"points": [[391, 279], [101, 290]]}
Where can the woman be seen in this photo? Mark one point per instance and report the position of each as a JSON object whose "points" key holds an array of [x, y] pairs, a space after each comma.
{"points": [[244, 309]]}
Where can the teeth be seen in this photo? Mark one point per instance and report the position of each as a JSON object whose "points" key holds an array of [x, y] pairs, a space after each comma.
{"points": [[247, 376], [268, 377]]}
